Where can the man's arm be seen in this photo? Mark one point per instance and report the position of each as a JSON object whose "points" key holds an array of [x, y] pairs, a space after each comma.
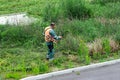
{"points": [[53, 34]]}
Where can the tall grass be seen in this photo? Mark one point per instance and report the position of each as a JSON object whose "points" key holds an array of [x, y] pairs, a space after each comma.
{"points": [[117, 37], [109, 10], [103, 2], [102, 48], [30, 36], [24, 35], [76, 9], [69, 43], [52, 12], [66, 9]]}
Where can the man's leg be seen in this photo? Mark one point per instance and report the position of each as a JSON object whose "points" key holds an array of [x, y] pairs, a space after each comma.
{"points": [[50, 51]]}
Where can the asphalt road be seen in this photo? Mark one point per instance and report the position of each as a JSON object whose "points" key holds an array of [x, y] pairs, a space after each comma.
{"points": [[104, 73]]}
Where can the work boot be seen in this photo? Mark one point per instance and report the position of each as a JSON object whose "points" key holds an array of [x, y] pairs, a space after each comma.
{"points": [[47, 59], [51, 59]]}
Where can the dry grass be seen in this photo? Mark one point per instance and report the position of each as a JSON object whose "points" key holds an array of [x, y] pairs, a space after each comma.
{"points": [[114, 45], [96, 46], [106, 21]]}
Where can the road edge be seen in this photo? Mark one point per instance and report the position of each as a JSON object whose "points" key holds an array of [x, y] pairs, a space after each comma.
{"points": [[57, 73]]}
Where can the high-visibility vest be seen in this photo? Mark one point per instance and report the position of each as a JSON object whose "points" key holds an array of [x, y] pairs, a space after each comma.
{"points": [[48, 37]]}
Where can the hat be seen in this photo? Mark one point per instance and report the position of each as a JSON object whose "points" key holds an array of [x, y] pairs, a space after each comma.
{"points": [[52, 24]]}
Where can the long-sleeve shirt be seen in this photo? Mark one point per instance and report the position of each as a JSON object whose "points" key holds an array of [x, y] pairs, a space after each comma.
{"points": [[53, 34]]}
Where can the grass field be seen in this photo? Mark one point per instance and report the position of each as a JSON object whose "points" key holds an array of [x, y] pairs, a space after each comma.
{"points": [[90, 30]]}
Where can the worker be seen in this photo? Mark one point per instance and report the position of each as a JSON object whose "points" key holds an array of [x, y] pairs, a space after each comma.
{"points": [[50, 38]]}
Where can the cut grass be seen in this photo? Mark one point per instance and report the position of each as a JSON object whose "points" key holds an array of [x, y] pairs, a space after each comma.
{"points": [[22, 64]]}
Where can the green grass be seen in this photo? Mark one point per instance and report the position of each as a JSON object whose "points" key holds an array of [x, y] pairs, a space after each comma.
{"points": [[15, 65], [32, 7]]}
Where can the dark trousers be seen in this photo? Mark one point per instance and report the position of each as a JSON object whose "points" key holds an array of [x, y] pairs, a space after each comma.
{"points": [[50, 54]]}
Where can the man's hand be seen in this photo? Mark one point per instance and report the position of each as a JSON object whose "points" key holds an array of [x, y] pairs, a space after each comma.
{"points": [[60, 37]]}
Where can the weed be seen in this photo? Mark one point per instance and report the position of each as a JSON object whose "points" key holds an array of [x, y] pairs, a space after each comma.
{"points": [[43, 67], [69, 43], [106, 46], [83, 52], [13, 75], [87, 59]]}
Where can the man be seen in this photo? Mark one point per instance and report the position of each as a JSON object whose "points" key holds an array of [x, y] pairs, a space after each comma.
{"points": [[50, 37]]}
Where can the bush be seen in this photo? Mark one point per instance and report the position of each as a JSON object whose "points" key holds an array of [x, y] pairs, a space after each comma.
{"points": [[52, 12], [76, 9]]}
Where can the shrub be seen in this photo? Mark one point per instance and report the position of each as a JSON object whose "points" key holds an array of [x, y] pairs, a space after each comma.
{"points": [[76, 9], [52, 12], [65, 9]]}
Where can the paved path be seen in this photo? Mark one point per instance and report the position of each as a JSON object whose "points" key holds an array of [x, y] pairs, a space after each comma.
{"points": [[104, 73]]}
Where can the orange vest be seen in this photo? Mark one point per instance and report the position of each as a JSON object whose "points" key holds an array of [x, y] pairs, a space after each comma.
{"points": [[48, 37]]}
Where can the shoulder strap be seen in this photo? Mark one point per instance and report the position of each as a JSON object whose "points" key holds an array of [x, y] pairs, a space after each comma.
{"points": [[47, 28]]}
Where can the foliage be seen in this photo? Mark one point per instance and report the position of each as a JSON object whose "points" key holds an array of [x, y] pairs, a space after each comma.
{"points": [[76, 9], [69, 43], [28, 35], [117, 37], [52, 12], [106, 46], [83, 52], [103, 2]]}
